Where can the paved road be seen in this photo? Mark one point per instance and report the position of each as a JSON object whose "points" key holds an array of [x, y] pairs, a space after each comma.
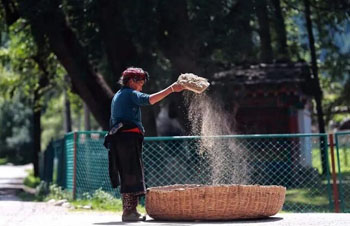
{"points": [[11, 180], [14, 212]]}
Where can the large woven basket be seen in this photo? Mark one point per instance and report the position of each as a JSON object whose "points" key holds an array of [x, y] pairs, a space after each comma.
{"points": [[214, 202]]}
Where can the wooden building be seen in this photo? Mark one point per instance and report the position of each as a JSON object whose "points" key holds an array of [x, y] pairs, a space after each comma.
{"points": [[267, 98]]}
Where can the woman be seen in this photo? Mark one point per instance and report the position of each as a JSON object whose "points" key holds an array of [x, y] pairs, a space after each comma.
{"points": [[125, 153]]}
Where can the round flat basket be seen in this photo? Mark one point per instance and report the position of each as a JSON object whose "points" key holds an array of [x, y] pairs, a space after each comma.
{"points": [[213, 202]]}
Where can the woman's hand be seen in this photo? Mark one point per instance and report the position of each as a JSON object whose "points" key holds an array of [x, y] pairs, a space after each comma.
{"points": [[156, 97], [176, 87]]}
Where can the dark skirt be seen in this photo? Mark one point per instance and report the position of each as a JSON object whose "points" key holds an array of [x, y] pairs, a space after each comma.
{"points": [[125, 156]]}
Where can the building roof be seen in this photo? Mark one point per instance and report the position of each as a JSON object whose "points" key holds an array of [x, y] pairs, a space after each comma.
{"points": [[345, 125], [264, 74]]}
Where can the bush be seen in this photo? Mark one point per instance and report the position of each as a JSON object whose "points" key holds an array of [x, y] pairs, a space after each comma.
{"points": [[31, 181], [56, 192], [100, 200], [3, 161], [15, 134]]}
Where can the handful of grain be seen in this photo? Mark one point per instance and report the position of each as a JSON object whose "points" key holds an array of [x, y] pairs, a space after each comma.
{"points": [[193, 82]]}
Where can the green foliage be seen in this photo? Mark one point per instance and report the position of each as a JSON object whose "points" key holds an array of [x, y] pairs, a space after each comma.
{"points": [[57, 193], [16, 125], [23, 68], [334, 97], [52, 121], [30, 63], [41, 190], [3, 161], [344, 159], [8, 81], [219, 34], [31, 181], [100, 200], [313, 199], [296, 31]]}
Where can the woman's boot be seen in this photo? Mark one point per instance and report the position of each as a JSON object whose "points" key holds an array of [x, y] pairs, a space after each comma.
{"points": [[130, 213]]}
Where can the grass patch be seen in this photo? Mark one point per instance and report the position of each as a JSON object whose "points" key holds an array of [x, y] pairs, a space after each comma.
{"points": [[306, 200], [3, 161], [102, 201], [29, 193], [56, 192], [344, 159], [31, 181], [99, 200], [111, 205]]}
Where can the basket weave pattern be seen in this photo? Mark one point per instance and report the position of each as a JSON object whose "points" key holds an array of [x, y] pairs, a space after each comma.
{"points": [[215, 202]]}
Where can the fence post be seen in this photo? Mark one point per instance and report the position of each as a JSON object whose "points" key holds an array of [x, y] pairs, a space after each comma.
{"points": [[74, 164], [339, 174], [334, 176]]}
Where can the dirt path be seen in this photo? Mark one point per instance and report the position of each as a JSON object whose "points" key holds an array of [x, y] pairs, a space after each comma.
{"points": [[14, 212], [11, 180]]}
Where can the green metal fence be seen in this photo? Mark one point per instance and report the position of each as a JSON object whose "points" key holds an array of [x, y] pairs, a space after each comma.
{"points": [[291, 160], [342, 140]]}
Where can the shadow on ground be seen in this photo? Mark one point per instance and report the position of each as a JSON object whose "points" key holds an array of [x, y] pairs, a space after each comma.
{"points": [[245, 221]]}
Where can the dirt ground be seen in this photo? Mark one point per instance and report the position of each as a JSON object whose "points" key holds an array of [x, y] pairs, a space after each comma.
{"points": [[14, 212]]}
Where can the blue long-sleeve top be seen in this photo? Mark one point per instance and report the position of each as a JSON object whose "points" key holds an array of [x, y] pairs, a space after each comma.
{"points": [[126, 105]]}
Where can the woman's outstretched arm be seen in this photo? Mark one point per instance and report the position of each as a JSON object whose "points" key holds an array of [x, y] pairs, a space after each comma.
{"points": [[156, 97]]}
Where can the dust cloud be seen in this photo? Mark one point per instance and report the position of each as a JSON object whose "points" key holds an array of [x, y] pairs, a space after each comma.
{"points": [[225, 157]]}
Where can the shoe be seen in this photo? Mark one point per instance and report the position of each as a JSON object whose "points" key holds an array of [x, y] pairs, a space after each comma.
{"points": [[133, 216]]}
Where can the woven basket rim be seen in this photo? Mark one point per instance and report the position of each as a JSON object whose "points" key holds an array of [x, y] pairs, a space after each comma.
{"points": [[209, 202], [181, 187]]}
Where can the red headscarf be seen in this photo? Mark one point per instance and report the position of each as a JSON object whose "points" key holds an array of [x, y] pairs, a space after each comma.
{"points": [[135, 72]]}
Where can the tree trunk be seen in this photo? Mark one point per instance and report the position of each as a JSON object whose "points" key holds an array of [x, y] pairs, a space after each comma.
{"points": [[316, 85], [88, 84], [121, 51], [242, 24], [118, 45], [175, 37], [36, 136], [67, 114], [37, 106], [51, 24], [87, 124], [266, 55], [282, 52], [178, 46]]}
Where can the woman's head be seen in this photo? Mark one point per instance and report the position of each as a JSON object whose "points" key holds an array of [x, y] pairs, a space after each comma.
{"points": [[134, 78], [133, 73]]}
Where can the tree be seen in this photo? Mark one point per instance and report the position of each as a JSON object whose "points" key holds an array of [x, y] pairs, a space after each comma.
{"points": [[69, 28], [331, 19], [264, 31], [317, 91], [35, 69], [94, 38], [16, 142], [280, 28]]}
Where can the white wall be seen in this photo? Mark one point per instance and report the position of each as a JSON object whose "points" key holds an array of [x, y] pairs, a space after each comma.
{"points": [[304, 125]]}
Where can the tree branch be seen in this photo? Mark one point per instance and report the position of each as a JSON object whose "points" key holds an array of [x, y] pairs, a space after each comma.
{"points": [[11, 12], [90, 85]]}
